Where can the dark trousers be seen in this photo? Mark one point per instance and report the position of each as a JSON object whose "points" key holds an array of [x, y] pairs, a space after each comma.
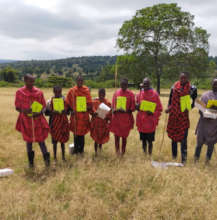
{"points": [[183, 148], [210, 148], [42, 147], [31, 153], [144, 146], [79, 144]]}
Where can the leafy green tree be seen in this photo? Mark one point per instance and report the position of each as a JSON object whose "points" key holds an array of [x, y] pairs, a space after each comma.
{"points": [[9, 74], [162, 32], [107, 73], [59, 80], [212, 72], [135, 68]]}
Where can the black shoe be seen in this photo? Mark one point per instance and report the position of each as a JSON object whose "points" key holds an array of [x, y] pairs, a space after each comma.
{"points": [[196, 159], [207, 162], [47, 159]]}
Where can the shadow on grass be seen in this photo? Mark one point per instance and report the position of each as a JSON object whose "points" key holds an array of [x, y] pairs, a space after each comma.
{"points": [[41, 174]]}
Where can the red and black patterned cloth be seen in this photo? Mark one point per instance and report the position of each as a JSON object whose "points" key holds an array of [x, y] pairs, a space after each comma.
{"points": [[178, 121], [59, 125]]}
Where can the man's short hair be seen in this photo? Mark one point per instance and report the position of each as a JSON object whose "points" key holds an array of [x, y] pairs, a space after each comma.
{"points": [[28, 76], [185, 73]]}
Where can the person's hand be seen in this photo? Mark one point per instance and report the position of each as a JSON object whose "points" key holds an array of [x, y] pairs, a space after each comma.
{"points": [[167, 111], [213, 107], [26, 111], [36, 114], [55, 112], [64, 112], [94, 114], [89, 107], [120, 110], [137, 107], [72, 112], [149, 113], [208, 119]]}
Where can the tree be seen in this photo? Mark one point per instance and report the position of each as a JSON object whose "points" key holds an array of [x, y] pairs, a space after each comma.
{"points": [[107, 73], [212, 69], [9, 74], [133, 67], [59, 80], [162, 32]]}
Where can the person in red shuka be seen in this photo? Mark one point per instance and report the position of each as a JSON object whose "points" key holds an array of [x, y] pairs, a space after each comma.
{"points": [[79, 121], [147, 121], [122, 121], [58, 122], [178, 122], [33, 126], [99, 128]]}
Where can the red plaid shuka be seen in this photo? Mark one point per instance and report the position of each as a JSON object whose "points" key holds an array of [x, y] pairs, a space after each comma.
{"points": [[59, 126], [178, 121], [79, 121], [122, 123], [99, 128], [24, 98]]}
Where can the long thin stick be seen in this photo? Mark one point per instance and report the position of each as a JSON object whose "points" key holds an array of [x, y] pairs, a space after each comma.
{"points": [[116, 74], [74, 111], [164, 129], [33, 130]]}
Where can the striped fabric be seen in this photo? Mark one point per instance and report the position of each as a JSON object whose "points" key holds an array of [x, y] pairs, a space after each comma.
{"points": [[99, 128], [178, 121], [59, 126]]}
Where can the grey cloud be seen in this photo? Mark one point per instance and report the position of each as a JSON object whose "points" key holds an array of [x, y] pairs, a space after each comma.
{"points": [[22, 21], [84, 27]]}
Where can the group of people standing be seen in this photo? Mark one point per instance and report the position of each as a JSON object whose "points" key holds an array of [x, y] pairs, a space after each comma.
{"points": [[119, 120]]}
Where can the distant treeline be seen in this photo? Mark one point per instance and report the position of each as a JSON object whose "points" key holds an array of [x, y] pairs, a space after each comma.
{"points": [[98, 71], [89, 66]]}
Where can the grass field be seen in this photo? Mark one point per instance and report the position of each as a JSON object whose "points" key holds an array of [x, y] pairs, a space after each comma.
{"points": [[103, 187]]}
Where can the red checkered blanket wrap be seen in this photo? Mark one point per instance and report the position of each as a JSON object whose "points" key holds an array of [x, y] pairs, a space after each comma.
{"points": [[79, 121], [178, 121], [99, 128], [23, 100], [59, 125]]}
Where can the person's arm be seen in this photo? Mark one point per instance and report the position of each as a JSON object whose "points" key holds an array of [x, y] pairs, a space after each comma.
{"points": [[170, 97], [24, 111], [170, 101], [114, 103], [137, 98], [132, 104], [193, 94], [18, 104], [48, 108]]}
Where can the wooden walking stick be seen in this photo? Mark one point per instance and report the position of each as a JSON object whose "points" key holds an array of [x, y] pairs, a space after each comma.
{"points": [[33, 131], [33, 127], [164, 130], [74, 120], [116, 74]]}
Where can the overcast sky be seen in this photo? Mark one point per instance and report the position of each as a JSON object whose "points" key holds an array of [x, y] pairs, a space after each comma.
{"points": [[50, 29]]}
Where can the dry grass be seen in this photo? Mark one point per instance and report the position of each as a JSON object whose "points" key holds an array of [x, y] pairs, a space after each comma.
{"points": [[104, 187]]}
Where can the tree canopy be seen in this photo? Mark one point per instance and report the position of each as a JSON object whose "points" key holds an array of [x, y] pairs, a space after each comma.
{"points": [[8, 74], [164, 35]]}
